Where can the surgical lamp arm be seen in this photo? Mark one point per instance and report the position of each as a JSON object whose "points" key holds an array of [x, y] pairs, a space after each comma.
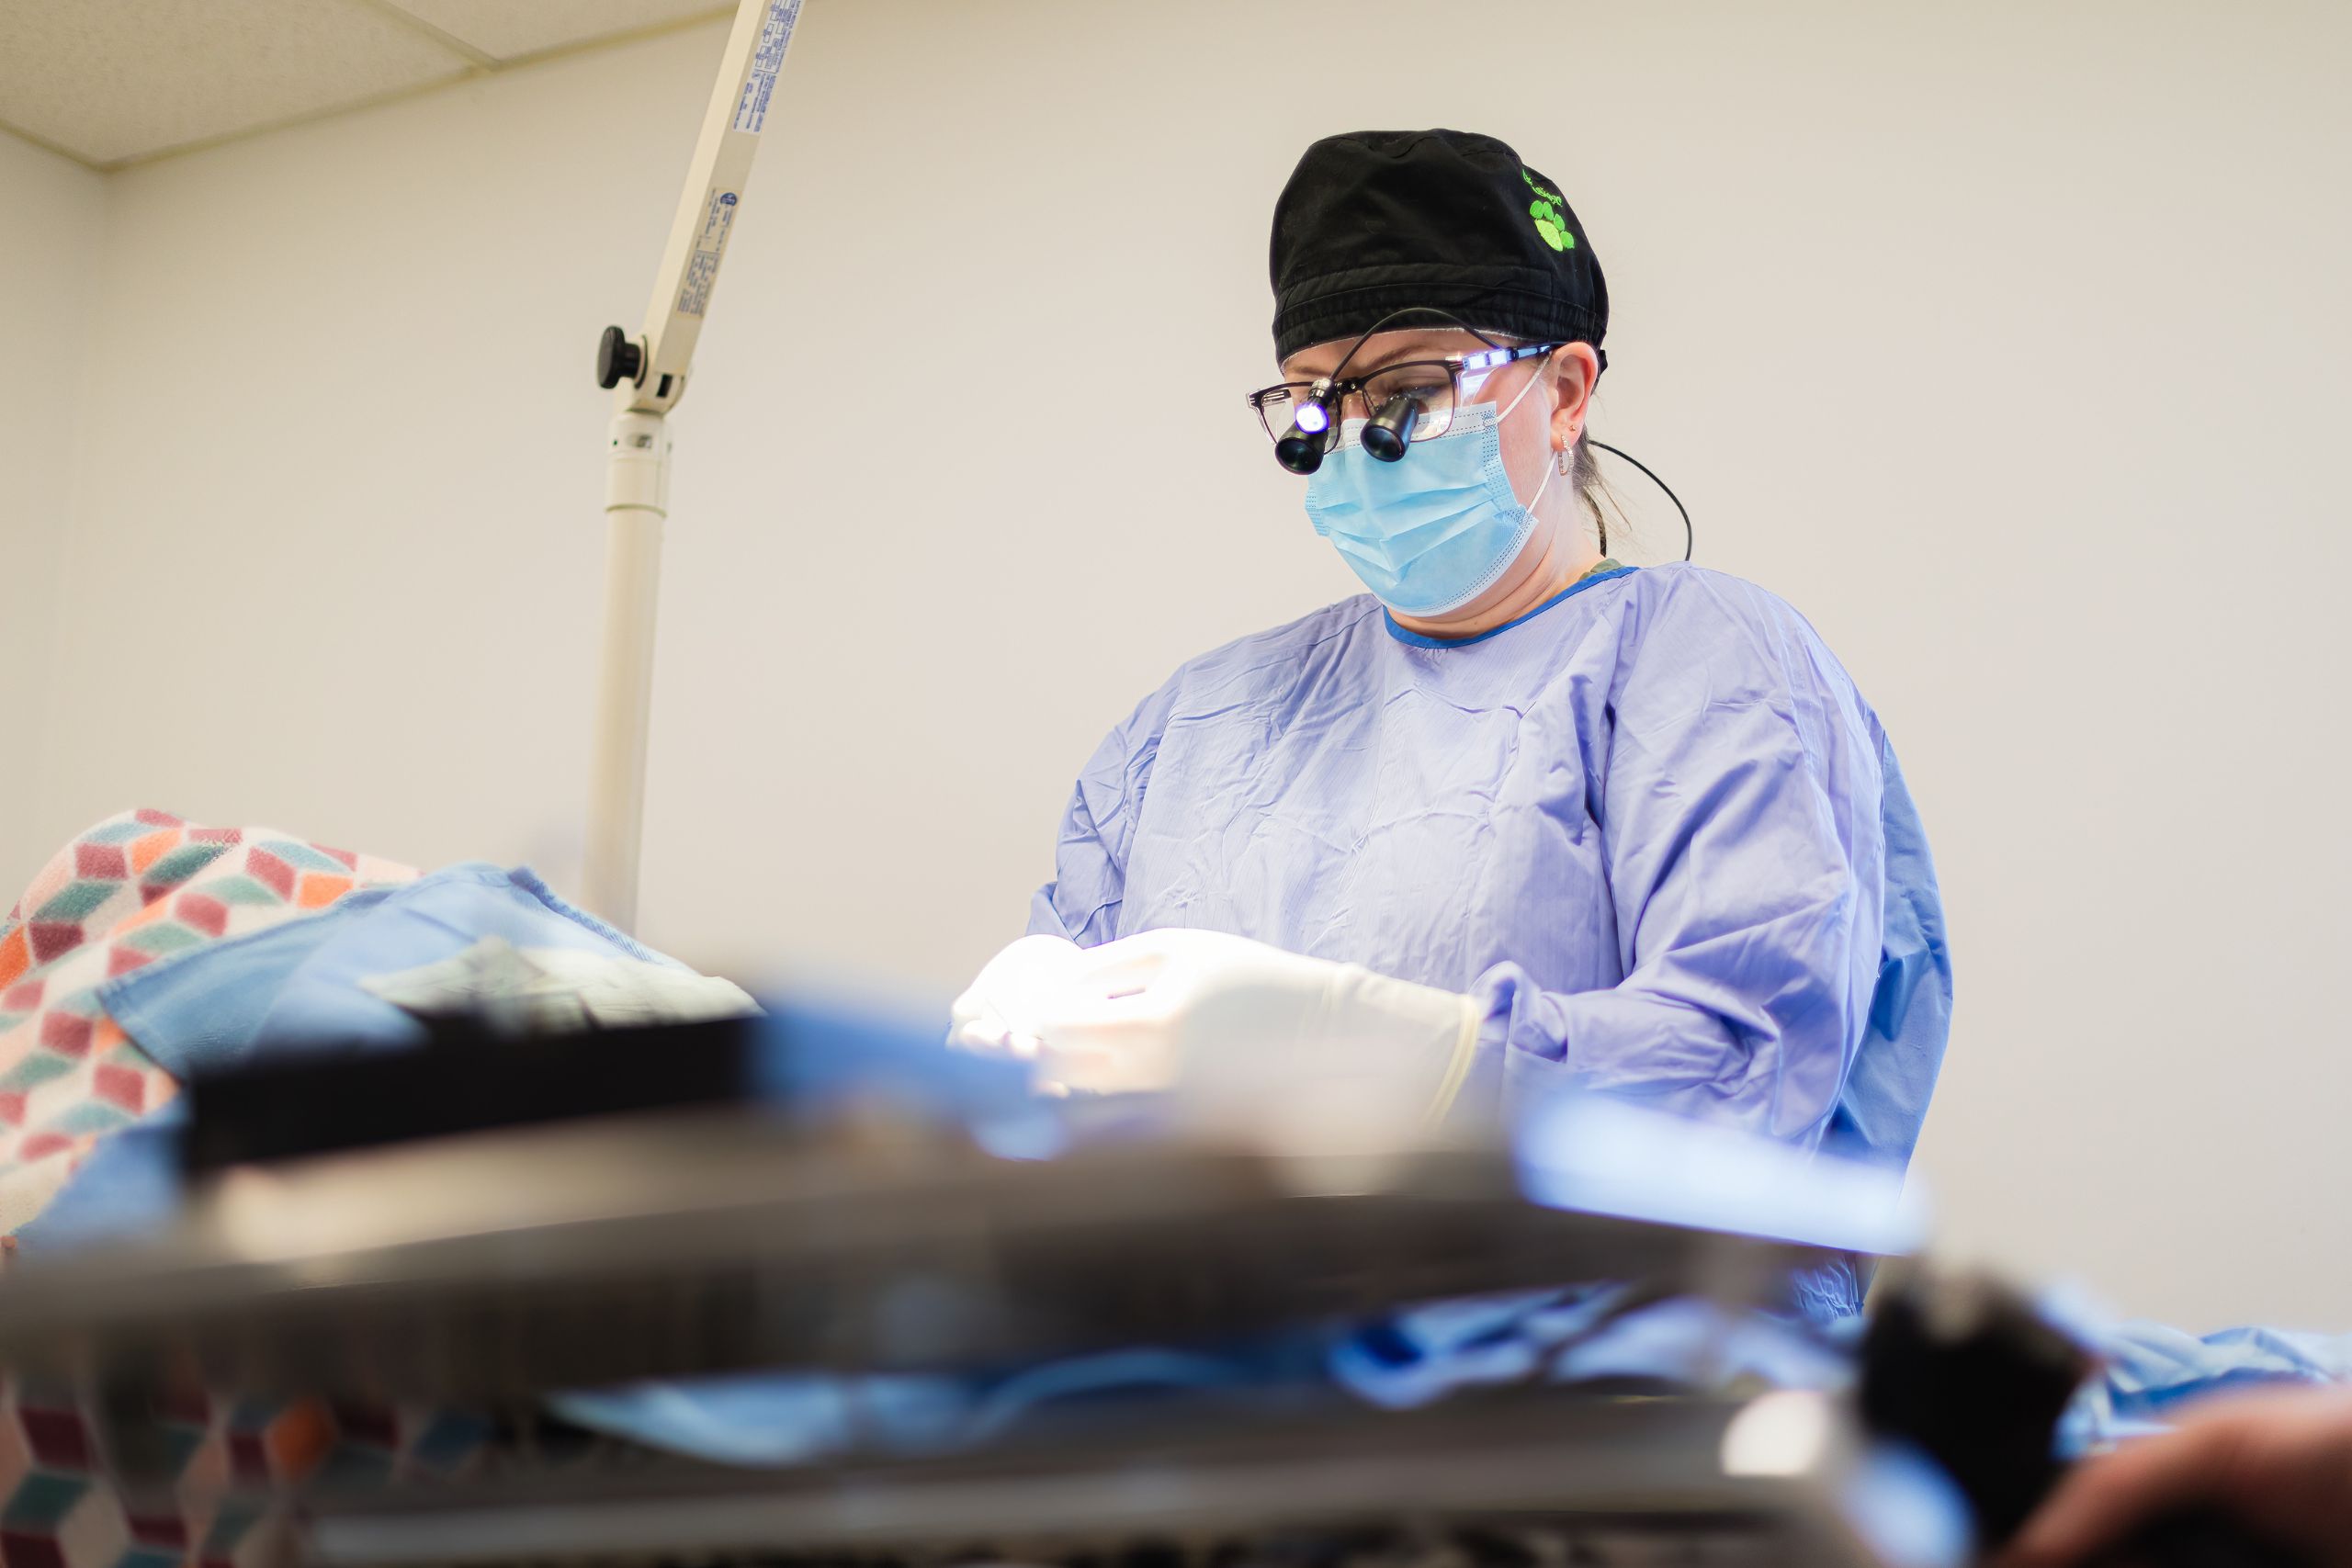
{"points": [[648, 375]]}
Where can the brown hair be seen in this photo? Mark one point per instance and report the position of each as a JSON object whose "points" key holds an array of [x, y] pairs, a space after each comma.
{"points": [[1592, 490]]}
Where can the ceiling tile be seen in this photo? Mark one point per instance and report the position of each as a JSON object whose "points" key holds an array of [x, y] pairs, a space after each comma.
{"points": [[107, 81], [505, 29]]}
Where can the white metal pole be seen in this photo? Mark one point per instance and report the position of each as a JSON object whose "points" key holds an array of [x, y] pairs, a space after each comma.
{"points": [[648, 375], [636, 503]]}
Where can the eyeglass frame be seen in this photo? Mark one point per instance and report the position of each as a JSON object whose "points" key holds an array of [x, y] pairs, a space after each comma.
{"points": [[1332, 392]]}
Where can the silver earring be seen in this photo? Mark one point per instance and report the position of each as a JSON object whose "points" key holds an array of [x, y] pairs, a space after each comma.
{"points": [[1567, 462]]}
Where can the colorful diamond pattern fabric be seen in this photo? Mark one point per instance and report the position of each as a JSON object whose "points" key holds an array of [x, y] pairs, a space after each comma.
{"points": [[134, 889], [221, 1481]]}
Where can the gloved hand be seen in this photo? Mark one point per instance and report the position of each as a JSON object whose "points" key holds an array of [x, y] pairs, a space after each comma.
{"points": [[998, 1011], [1249, 1035]]}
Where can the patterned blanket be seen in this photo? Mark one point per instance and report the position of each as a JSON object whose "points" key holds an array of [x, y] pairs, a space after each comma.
{"points": [[136, 887], [215, 1479]]}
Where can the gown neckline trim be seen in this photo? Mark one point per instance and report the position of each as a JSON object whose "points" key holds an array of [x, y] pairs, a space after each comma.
{"points": [[1417, 640]]}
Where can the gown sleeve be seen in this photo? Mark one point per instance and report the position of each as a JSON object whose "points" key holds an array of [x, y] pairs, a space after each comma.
{"points": [[1089, 879], [1737, 786]]}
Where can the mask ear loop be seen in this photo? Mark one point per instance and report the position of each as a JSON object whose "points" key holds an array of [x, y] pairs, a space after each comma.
{"points": [[1546, 483], [1566, 463], [1532, 381]]}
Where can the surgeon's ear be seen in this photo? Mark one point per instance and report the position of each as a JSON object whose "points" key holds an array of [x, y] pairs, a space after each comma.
{"points": [[1575, 368]]}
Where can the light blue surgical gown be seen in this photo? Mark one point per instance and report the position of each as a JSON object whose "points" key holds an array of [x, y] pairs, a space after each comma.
{"points": [[1652, 826]]}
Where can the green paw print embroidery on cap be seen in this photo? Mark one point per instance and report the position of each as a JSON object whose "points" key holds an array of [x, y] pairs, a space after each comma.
{"points": [[1551, 225], [1551, 222]]}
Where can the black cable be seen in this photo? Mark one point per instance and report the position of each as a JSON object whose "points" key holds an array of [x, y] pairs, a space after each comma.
{"points": [[1690, 539], [1348, 357], [1303, 447]]}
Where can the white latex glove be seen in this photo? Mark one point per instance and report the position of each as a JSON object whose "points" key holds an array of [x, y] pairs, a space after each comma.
{"points": [[1252, 1037], [998, 1011]]}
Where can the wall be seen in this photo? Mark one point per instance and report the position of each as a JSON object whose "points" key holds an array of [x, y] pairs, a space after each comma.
{"points": [[2007, 342], [51, 218]]}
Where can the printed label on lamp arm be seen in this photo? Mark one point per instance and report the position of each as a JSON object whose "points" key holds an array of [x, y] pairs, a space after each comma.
{"points": [[710, 246]]}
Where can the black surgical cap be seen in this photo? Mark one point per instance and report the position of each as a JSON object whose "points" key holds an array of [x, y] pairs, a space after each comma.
{"points": [[1377, 222]]}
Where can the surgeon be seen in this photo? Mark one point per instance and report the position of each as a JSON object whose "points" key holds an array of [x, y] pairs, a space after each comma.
{"points": [[1520, 816]]}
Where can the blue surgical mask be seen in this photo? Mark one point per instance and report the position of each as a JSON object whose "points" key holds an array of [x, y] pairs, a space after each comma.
{"points": [[1432, 531]]}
